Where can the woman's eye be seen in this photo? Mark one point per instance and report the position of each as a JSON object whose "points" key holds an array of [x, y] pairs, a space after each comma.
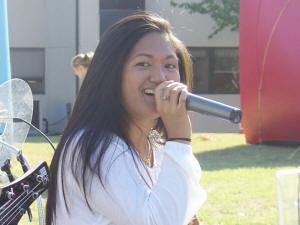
{"points": [[143, 64], [170, 66]]}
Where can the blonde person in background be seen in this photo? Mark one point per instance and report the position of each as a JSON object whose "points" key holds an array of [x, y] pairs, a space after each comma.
{"points": [[80, 64]]}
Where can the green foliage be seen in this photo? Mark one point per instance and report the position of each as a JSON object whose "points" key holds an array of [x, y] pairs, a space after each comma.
{"points": [[225, 13]]}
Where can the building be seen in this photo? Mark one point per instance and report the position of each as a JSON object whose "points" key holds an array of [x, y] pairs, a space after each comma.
{"points": [[45, 35]]}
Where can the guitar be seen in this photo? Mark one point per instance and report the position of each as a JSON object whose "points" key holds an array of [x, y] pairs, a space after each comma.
{"points": [[17, 196]]}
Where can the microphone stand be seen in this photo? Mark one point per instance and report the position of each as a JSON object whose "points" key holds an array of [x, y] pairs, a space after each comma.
{"points": [[16, 120]]}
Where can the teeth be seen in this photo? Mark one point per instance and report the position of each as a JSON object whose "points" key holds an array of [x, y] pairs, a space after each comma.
{"points": [[149, 92]]}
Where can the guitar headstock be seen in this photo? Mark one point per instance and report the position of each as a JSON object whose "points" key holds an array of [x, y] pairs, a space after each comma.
{"points": [[18, 195]]}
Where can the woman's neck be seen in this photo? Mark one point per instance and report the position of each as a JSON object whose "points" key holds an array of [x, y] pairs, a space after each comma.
{"points": [[138, 135]]}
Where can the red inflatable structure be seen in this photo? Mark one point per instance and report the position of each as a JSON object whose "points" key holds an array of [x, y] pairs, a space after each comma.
{"points": [[270, 69]]}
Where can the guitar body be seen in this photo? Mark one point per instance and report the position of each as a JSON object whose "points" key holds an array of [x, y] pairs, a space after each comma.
{"points": [[16, 197]]}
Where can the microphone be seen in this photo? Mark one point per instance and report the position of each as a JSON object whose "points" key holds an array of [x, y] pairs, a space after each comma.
{"points": [[210, 107]]}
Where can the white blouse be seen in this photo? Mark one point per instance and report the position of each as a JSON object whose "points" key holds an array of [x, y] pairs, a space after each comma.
{"points": [[172, 197]]}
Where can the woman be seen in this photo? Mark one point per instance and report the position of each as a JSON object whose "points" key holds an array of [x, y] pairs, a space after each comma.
{"points": [[125, 155], [80, 64]]}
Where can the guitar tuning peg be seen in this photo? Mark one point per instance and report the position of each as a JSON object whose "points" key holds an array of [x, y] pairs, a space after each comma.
{"points": [[22, 211], [10, 194], [42, 179], [35, 195], [39, 178], [25, 187], [20, 158], [45, 180], [5, 167]]}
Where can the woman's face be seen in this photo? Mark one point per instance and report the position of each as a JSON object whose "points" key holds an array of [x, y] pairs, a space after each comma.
{"points": [[80, 71], [151, 61]]}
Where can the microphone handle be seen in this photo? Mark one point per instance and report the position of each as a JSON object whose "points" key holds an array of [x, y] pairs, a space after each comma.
{"points": [[213, 108]]}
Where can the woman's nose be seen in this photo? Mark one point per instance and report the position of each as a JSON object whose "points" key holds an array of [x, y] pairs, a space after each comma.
{"points": [[158, 75]]}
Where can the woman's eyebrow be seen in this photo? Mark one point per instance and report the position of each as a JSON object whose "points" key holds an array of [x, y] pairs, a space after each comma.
{"points": [[151, 56], [172, 57], [144, 54]]}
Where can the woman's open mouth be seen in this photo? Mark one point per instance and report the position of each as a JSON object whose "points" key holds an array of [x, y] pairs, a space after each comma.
{"points": [[149, 92]]}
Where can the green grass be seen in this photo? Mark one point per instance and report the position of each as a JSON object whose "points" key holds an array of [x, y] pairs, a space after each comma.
{"points": [[238, 178]]}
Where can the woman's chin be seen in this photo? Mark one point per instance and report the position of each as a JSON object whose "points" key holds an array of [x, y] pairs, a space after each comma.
{"points": [[152, 114]]}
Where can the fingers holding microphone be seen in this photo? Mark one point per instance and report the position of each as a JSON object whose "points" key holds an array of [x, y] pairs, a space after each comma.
{"points": [[170, 100]]}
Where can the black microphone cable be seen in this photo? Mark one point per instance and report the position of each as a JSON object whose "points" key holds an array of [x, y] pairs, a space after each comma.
{"points": [[17, 120]]}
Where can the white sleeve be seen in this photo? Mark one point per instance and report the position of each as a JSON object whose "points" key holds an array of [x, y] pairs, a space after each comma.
{"points": [[174, 198]]}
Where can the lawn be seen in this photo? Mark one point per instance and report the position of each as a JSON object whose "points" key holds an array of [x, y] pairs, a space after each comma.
{"points": [[239, 178]]}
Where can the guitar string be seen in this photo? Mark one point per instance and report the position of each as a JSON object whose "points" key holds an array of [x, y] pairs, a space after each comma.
{"points": [[22, 202], [18, 205], [10, 202], [4, 205], [14, 200], [15, 214]]}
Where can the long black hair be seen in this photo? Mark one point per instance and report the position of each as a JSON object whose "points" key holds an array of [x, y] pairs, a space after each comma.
{"points": [[98, 109]]}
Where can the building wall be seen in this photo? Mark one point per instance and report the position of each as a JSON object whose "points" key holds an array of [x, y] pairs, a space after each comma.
{"points": [[89, 25], [49, 25], [27, 23]]}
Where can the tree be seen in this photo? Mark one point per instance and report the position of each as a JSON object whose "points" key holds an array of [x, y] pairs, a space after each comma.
{"points": [[225, 13]]}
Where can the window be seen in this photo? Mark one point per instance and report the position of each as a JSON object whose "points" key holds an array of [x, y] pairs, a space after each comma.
{"points": [[113, 10], [109, 17], [121, 4], [29, 64], [225, 77], [201, 70], [215, 70]]}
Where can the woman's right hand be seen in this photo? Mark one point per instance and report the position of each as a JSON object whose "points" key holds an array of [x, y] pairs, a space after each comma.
{"points": [[170, 100]]}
